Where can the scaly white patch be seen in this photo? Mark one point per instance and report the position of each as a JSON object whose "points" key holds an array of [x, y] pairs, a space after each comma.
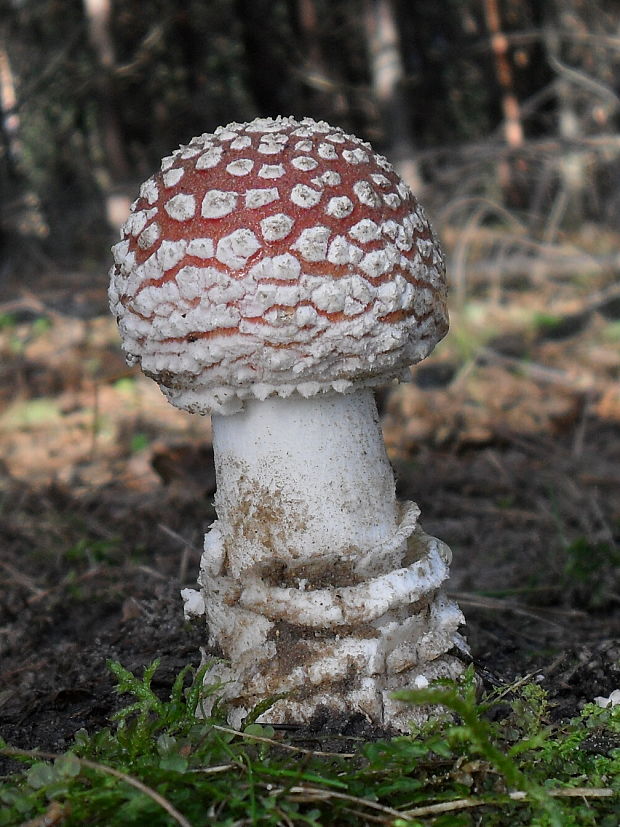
{"points": [[306, 315], [173, 176], [181, 207], [329, 297], [336, 137], [188, 152], [135, 223], [303, 146], [271, 171], [341, 251], [318, 127], [149, 269], [267, 147], [327, 152], [422, 302], [267, 124], [360, 289], [286, 266], [242, 142], [312, 243], [149, 191], [241, 167], [276, 226], [210, 158], [266, 295], [375, 264], [355, 156], [404, 237], [366, 194], [193, 603], [304, 196], [304, 163], [219, 316], [380, 180], [260, 197], [339, 207], [389, 228], [217, 203], [230, 291], [329, 178], [418, 219], [120, 251], [170, 253], [352, 307], [234, 250], [365, 231], [403, 190], [201, 248], [392, 200], [195, 281], [425, 247], [389, 293], [151, 298], [225, 134]]}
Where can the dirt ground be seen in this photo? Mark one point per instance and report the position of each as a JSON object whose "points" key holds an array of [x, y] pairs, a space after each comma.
{"points": [[508, 438]]}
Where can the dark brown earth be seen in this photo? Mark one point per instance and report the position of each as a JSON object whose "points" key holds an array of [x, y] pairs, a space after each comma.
{"points": [[509, 440]]}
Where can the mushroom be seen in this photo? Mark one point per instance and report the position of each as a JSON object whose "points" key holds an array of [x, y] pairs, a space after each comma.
{"points": [[271, 275]]}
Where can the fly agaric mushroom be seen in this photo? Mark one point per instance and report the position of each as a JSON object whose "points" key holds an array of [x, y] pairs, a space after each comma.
{"points": [[271, 274]]}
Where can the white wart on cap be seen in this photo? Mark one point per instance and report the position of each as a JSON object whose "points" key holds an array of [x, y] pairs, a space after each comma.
{"points": [[273, 258]]}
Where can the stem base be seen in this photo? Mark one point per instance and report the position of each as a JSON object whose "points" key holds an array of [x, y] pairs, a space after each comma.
{"points": [[389, 630]]}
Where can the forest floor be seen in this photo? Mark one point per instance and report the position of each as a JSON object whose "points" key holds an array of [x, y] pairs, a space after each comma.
{"points": [[508, 438]]}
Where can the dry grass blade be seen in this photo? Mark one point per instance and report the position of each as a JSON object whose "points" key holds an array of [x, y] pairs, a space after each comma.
{"points": [[582, 381], [517, 795], [55, 814], [264, 740], [122, 776], [318, 794], [496, 604], [22, 579], [581, 792], [216, 769]]}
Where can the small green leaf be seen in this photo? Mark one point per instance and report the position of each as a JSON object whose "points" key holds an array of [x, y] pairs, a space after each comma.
{"points": [[165, 744], [139, 442], [67, 766], [174, 762], [263, 731], [40, 775], [262, 707]]}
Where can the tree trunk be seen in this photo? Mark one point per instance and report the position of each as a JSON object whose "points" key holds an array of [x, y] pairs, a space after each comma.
{"points": [[568, 206], [98, 14], [513, 128], [387, 79]]}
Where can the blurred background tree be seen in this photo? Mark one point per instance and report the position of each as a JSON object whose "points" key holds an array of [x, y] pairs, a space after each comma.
{"points": [[510, 102]]}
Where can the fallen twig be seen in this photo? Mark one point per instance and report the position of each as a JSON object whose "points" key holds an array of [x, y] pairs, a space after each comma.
{"points": [[517, 795], [264, 740]]}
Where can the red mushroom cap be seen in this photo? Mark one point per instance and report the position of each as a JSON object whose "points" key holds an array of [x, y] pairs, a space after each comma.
{"points": [[271, 258]]}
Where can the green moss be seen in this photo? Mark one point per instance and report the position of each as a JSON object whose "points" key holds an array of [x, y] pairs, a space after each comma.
{"points": [[497, 761]]}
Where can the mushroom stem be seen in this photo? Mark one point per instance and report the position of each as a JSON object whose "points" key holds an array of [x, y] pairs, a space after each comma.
{"points": [[316, 581], [302, 480]]}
